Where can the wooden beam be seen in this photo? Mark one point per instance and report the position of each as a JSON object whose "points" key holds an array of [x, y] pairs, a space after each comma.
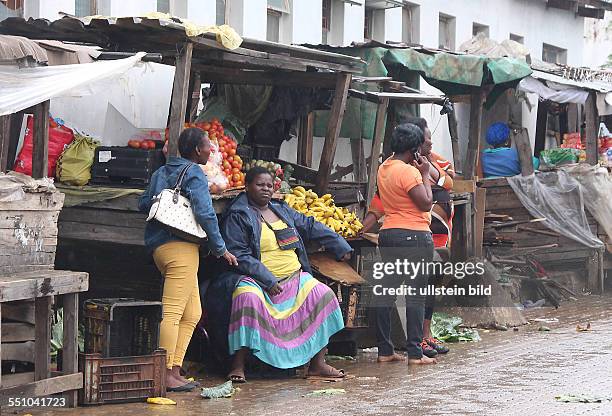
{"points": [[40, 154], [523, 146], [5, 137], [454, 136], [592, 128], [379, 132], [42, 328], [358, 158], [224, 75], [17, 331], [480, 205], [178, 104], [195, 89], [474, 138], [43, 387], [41, 283], [305, 140], [70, 351], [336, 115]]}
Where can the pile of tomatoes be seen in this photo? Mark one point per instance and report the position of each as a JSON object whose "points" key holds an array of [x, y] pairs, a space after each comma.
{"points": [[142, 144]]}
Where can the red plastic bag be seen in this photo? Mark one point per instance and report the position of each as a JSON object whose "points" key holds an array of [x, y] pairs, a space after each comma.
{"points": [[59, 138]]}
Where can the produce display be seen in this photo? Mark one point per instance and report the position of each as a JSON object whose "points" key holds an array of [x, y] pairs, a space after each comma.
{"points": [[341, 220], [280, 174], [142, 144]]}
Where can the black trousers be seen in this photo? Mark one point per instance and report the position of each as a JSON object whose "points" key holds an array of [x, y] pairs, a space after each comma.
{"points": [[402, 246]]}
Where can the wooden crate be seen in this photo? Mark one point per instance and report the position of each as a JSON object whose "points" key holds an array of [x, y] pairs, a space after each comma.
{"points": [[28, 232]]}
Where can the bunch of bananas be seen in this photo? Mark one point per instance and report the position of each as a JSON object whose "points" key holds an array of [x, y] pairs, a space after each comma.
{"points": [[341, 220]]}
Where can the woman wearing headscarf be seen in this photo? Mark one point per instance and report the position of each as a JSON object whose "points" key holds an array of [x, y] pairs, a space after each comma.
{"points": [[501, 160]]}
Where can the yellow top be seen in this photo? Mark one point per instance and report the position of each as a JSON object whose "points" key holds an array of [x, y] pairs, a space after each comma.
{"points": [[281, 263]]}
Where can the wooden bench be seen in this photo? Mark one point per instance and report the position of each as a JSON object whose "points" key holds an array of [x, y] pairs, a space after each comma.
{"points": [[41, 285]]}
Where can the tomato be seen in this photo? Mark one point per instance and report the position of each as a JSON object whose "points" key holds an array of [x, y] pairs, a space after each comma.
{"points": [[226, 165], [152, 144], [235, 170], [230, 158], [136, 144], [236, 164], [228, 172], [222, 141], [231, 151], [206, 126], [240, 183], [224, 154], [236, 177]]}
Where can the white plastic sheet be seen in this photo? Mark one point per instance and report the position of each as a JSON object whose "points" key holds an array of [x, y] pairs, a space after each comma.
{"points": [[23, 88], [558, 95], [559, 198]]}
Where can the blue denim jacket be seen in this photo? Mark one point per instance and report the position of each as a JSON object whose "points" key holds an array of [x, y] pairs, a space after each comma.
{"points": [[194, 187]]}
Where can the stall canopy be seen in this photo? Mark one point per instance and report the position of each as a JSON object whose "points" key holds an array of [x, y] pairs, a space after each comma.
{"points": [[452, 73]]}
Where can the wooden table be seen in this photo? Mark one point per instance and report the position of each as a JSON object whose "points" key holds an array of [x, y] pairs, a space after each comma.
{"points": [[41, 285]]}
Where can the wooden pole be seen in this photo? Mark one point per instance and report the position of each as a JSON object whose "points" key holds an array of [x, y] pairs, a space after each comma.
{"points": [[379, 132], [305, 140], [480, 203], [592, 128], [474, 139], [454, 136], [178, 106], [195, 89], [333, 131], [5, 136], [40, 154], [70, 350], [42, 333], [523, 146], [358, 158]]}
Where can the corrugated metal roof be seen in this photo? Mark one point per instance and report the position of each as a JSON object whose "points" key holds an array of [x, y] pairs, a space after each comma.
{"points": [[133, 34]]}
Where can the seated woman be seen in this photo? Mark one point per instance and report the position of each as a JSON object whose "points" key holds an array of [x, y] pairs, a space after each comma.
{"points": [[501, 160], [279, 312]]}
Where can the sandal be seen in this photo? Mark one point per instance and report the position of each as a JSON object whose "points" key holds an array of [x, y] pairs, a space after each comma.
{"points": [[235, 378], [183, 388]]}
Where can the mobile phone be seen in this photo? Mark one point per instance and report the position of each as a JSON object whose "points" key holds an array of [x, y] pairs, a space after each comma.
{"points": [[417, 155]]}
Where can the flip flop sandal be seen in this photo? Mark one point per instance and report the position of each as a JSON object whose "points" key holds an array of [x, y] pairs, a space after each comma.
{"points": [[183, 388], [234, 378]]}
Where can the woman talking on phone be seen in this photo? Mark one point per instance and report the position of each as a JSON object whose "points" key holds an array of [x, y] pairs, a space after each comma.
{"points": [[405, 191]]}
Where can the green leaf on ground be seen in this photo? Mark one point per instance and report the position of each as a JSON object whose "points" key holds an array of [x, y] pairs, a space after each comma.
{"points": [[326, 392], [446, 328]]}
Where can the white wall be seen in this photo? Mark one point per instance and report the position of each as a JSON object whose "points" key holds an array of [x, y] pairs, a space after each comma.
{"points": [[354, 17], [307, 17], [393, 24], [248, 17], [47, 9], [598, 41], [119, 8]]}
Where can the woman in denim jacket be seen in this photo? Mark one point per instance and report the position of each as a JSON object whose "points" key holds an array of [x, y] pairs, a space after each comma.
{"points": [[178, 259]]}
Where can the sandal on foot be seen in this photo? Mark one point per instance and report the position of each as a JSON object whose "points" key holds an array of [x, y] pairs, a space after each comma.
{"points": [[183, 388], [235, 378]]}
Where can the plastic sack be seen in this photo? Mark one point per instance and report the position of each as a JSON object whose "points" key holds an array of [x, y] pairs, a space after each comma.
{"points": [[217, 181], [74, 164], [59, 138], [558, 156]]}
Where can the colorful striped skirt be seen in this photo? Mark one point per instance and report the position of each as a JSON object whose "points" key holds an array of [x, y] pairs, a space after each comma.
{"points": [[287, 330]]}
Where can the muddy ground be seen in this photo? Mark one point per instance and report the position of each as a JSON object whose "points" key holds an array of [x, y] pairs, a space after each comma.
{"points": [[507, 373]]}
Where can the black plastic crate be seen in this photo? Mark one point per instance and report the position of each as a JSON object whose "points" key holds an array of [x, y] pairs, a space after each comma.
{"points": [[124, 165], [119, 327], [265, 152]]}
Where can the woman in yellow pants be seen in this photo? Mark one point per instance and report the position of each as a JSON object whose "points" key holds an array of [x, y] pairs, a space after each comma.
{"points": [[178, 259]]}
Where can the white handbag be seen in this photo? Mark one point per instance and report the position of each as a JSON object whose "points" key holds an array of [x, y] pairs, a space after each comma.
{"points": [[173, 211]]}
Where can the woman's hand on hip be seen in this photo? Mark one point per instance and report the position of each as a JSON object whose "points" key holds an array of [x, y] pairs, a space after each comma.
{"points": [[275, 290], [230, 258]]}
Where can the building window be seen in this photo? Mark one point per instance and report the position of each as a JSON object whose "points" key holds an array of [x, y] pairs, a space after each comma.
{"points": [[11, 8], [478, 28], [411, 28], [368, 23], [273, 26], [84, 8], [517, 38], [553, 54], [326, 22], [446, 32], [163, 6], [221, 9]]}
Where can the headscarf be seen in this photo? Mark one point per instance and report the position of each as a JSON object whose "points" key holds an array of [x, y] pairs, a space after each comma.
{"points": [[498, 133]]}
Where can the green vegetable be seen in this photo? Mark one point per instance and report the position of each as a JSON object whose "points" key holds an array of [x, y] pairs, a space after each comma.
{"points": [[445, 328]]}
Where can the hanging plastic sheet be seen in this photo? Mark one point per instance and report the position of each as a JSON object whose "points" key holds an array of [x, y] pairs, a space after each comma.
{"points": [[23, 88], [558, 197], [556, 94]]}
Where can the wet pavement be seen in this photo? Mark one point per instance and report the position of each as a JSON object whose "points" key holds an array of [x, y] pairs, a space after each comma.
{"points": [[507, 373]]}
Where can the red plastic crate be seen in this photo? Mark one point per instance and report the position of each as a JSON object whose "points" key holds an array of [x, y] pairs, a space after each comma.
{"points": [[122, 379]]}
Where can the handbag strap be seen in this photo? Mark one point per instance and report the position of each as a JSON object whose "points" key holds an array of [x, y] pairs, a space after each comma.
{"points": [[179, 181]]}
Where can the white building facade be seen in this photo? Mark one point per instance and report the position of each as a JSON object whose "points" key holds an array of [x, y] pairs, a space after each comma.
{"points": [[550, 34]]}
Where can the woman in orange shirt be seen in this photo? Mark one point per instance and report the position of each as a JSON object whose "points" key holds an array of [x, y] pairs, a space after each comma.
{"points": [[405, 192]]}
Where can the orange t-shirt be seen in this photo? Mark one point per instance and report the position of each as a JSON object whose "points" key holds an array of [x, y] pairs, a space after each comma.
{"points": [[395, 180]]}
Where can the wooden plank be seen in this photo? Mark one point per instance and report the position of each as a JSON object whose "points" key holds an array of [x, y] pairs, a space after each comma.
{"points": [[240, 76], [480, 201], [454, 136], [462, 185], [22, 311], [42, 327], [40, 153], [469, 230], [11, 380], [5, 137], [523, 146], [213, 44], [379, 131], [0, 347], [469, 169], [43, 283], [18, 351], [36, 201], [43, 387], [17, 332], [129, 219], [407, 97], [70, 351], [305, 140], [178, 104], [592, 128], [359, 162], [334, 270], [333, 131]]}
